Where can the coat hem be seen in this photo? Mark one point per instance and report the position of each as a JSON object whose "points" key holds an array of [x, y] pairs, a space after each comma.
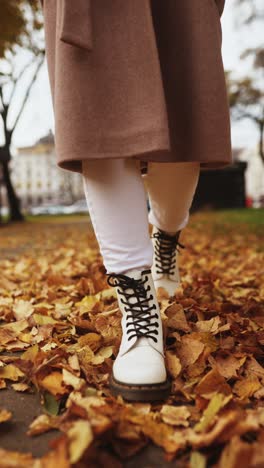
{"points": [[152, 146]]}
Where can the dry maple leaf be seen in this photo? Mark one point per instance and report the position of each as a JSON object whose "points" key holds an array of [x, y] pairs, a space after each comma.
{"points": [[212, 382], [5, 415], [189, 350]]}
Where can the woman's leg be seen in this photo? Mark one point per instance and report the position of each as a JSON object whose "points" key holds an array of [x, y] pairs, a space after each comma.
{"points": [[171, 188], [116, 199], [117, 203]]}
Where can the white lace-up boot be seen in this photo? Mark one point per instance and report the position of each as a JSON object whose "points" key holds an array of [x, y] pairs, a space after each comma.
{"points": [[139, 372], [165, 268]]}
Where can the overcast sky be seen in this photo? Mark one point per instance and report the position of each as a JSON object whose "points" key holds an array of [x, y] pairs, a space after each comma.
{"points": [[38, 117]]}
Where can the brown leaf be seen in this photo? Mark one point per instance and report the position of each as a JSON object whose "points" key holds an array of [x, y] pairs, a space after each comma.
{"points": [[223, 424], [228, 366], [246, 388], [176, 317], [212, 382], [93, 340], [189, 350], [237, 454], [58, 457]]}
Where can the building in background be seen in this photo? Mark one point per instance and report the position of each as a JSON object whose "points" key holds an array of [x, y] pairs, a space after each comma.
{"points": [[254, 176], [38, 180]]}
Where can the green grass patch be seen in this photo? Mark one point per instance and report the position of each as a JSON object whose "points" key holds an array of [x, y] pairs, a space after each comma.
{"points": [[57, 218], [241, 216]]}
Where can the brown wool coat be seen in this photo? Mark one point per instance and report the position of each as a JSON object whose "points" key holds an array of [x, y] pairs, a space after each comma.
{"points": [[137, 78]]}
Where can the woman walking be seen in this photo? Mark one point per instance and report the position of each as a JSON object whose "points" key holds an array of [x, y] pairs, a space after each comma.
{"points": [[134, 82]]}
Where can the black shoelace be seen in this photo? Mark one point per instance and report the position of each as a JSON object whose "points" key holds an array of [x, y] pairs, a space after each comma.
{"points": [[139, 312], [166, 248]]}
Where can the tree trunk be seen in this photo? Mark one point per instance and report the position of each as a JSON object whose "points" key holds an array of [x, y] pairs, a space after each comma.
{"points": [[261, 140], [13, 201]]}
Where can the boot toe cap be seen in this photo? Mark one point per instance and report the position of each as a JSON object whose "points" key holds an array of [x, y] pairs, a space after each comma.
{"points": [[141, 365]]}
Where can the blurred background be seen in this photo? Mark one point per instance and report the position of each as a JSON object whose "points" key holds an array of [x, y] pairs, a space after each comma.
{"points": [[30, 182]]}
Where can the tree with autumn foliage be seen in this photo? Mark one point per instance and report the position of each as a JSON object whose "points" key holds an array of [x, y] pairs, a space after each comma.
{"points": [[250, 10], [21, 57]]}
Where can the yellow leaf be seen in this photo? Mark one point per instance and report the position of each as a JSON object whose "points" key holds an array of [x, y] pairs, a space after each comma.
{"points": [[30, 353], [86, 304], [217, 402], [198, 460], [43, 319], [80, 437], [16, 327], [10, 372], [106, 294]]}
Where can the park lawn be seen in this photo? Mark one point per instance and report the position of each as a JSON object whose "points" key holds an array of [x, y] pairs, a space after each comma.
{"points": [[250, 216], [242, 215]]}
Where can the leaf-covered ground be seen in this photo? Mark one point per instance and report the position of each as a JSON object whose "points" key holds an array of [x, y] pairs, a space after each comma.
{"points": [[60, 331]]}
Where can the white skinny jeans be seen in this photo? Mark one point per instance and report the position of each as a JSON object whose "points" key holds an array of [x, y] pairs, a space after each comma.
{"points": [[117, 203]]}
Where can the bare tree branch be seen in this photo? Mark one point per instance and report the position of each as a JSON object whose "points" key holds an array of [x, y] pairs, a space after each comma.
{"points": [[32, 81], [17, 79]]}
